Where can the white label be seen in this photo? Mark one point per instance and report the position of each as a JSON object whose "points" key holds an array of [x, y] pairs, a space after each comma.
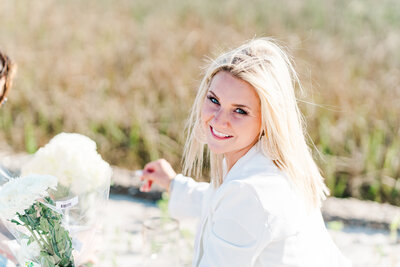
{"points": [[69, 203]]}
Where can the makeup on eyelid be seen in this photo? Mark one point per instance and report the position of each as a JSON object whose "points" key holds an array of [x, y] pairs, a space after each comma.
{"points": [[243, 112]]}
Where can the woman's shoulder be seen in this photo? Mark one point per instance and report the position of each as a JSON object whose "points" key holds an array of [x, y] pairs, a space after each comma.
{"points": [[273, 190], [262, 177], [266, 198], [259, 177]]}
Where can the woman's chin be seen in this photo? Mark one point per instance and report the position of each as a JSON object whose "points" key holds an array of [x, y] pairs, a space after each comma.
{"points": [[216, 149]]}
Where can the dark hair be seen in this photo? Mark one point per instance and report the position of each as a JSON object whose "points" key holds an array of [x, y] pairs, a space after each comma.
{"points": [[7, 72]]}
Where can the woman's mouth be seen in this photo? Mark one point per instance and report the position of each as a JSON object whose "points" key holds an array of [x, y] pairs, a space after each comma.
{"points": [[219, 135]]}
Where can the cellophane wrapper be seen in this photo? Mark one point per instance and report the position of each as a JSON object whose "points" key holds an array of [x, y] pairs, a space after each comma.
{"points": [[83, 187], [24, 202]]}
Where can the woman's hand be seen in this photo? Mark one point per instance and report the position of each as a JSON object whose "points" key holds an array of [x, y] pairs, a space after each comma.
{"points": [[160, 172]]}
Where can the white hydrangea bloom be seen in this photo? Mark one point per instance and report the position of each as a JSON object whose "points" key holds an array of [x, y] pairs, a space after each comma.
{"points": [[20, 193], [73, 159]]}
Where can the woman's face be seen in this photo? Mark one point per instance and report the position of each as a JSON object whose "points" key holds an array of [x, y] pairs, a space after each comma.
{"points": [[231, 115]]}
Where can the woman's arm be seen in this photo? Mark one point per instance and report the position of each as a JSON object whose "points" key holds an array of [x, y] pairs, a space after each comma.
{"points": [[186, 195], [160, 172], [186, 199]]}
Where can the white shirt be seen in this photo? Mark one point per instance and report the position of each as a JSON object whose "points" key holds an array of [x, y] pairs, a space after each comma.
{"points": [[254, 218]]}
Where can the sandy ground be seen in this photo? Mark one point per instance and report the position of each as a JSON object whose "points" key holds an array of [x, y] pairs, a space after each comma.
{"points": [[122, 239]]}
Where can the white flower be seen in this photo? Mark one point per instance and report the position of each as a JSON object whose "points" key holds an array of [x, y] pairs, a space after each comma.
{"points": [[20, 193], [73, 159]]}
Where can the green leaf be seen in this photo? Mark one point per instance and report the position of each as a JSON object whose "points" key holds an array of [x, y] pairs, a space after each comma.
{"points": [[30, 210], [23, 219], [44, 225], [56, 225], [49, 200], [16, 222], [47, 223], [30, 221], [61, 245], [66, 262], [31, 239], [47, 260], [56, 259]]}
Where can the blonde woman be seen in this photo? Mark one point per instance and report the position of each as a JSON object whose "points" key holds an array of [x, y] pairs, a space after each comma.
{"points": [[262, 206]]}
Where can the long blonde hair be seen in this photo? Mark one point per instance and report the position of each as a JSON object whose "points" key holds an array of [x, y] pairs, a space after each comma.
{"points": [[265, 66]]}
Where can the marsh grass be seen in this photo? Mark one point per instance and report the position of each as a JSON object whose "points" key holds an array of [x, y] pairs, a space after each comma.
{"points": [[125, 74]]}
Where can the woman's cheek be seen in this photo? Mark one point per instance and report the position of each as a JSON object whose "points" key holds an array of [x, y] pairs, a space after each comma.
{"points": [[253, 128], [239, 120], [244, 123], [207, 111]]}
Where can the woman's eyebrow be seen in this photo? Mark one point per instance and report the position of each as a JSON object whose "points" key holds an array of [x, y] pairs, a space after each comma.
{"points": [[214, 94], [236, 105], [242, 106]]}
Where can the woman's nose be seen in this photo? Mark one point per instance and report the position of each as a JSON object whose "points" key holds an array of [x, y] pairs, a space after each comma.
{"points": [[221, 118]]}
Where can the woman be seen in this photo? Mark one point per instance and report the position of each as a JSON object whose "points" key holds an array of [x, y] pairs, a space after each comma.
{"points": [[7, 72], [262, 207]]}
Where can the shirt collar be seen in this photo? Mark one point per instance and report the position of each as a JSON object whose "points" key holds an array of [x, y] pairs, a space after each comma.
{"points": [[238, 167]]}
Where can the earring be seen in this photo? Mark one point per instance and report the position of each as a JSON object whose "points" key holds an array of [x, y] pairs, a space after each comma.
{"points": [[262, 134]]}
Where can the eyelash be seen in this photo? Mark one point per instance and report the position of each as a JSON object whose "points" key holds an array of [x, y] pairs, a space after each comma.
{"points": [[242, 112], [211, 98], [215, 101]]}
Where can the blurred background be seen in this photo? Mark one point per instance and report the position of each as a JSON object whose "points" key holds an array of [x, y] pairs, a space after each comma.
{"points": [[125, 73]]}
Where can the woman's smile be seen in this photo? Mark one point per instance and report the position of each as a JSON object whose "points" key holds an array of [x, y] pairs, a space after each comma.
{"points": [[219, 135]]}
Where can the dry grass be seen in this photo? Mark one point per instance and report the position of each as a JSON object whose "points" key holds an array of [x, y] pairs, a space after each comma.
{"points": [[125, 73]]}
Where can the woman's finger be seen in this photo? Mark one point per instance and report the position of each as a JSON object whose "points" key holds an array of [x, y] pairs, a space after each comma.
{"points": [[146, 187], [149, 170]]}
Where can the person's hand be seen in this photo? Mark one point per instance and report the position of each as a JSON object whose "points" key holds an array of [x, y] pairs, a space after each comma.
{"points": [[159, 172]]}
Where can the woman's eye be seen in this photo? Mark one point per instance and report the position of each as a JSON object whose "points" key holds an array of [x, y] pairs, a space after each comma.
{"points": [[213, 99], [240, 111]]}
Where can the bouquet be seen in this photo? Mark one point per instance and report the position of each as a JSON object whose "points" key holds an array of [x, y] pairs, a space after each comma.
{"points": [[33, 219], [82, 190]]}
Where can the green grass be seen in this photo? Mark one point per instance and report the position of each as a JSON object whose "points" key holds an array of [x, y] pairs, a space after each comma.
{"points": [[125, 74]]}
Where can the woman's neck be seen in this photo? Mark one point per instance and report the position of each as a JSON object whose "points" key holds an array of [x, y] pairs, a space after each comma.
{"points": [[232, 157]]}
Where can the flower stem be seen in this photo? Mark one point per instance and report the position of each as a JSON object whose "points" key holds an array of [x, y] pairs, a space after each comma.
{"points": [[34, 237], [47, 243], [44, 246]]}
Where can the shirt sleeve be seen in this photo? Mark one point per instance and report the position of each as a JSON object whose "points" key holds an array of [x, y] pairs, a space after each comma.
{"points": [[239, 229], [186, 197]]}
